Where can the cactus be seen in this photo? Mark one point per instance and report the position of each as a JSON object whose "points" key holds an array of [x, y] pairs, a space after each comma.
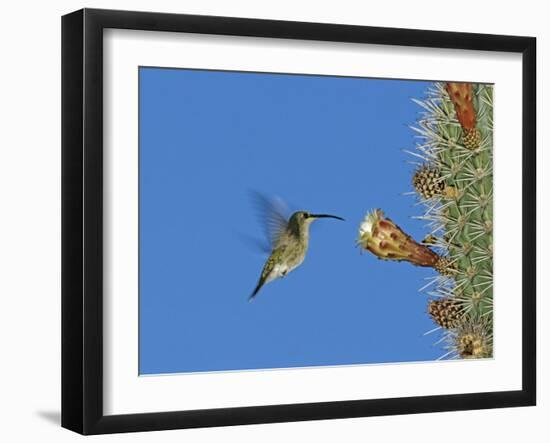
{"points": [[456, 142], [454, 183]]}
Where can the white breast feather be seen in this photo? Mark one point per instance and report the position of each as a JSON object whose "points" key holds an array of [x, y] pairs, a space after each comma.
{"points": [[277, 272]]}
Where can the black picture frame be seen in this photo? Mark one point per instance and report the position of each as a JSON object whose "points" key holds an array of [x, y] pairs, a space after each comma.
{"points": [[82, 220]]}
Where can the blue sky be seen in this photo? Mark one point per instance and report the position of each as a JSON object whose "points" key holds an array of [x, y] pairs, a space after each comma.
{"points": [[323, 144]]}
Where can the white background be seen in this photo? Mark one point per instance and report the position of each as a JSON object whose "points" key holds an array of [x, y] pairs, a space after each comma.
{"points": [[30, 221]]}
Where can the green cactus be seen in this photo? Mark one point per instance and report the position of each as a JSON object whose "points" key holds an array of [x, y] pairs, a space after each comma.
{"points": [[454, 182]]}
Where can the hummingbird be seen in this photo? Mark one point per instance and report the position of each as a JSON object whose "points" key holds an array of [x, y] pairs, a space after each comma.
{"points": [[289, 241]]}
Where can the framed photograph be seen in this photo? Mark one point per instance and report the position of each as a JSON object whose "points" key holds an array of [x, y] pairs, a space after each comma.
{"points": [[269, 221]]}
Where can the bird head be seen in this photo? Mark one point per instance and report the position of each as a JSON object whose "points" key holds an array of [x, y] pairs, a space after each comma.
{"points": [[306, 218]]}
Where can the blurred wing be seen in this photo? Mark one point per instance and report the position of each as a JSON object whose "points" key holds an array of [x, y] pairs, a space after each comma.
{"points": [[255, 244], [273, 215]]}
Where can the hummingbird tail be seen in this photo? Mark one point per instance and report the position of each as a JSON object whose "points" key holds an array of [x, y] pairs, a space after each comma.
{"points": [[256, 290]]}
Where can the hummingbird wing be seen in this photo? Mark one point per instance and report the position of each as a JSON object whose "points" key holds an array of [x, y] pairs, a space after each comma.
{"points": [[273, 215]]}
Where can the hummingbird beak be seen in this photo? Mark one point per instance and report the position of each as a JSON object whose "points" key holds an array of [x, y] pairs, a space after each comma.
{"points": [[326, 216]]}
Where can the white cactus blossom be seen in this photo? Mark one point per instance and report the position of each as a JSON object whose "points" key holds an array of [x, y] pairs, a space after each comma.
{"points": [[368, 222], [367, 226]]}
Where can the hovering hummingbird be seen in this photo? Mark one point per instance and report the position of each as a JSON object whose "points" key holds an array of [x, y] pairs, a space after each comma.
{"points": [[289, 241]]}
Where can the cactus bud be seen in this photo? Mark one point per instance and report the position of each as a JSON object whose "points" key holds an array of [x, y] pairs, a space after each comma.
{"points": [[428, 182], [472, 340], [446, 312]]}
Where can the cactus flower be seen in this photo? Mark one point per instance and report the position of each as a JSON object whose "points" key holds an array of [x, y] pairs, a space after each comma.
{"points": [[383, 238], [461, 95]]}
